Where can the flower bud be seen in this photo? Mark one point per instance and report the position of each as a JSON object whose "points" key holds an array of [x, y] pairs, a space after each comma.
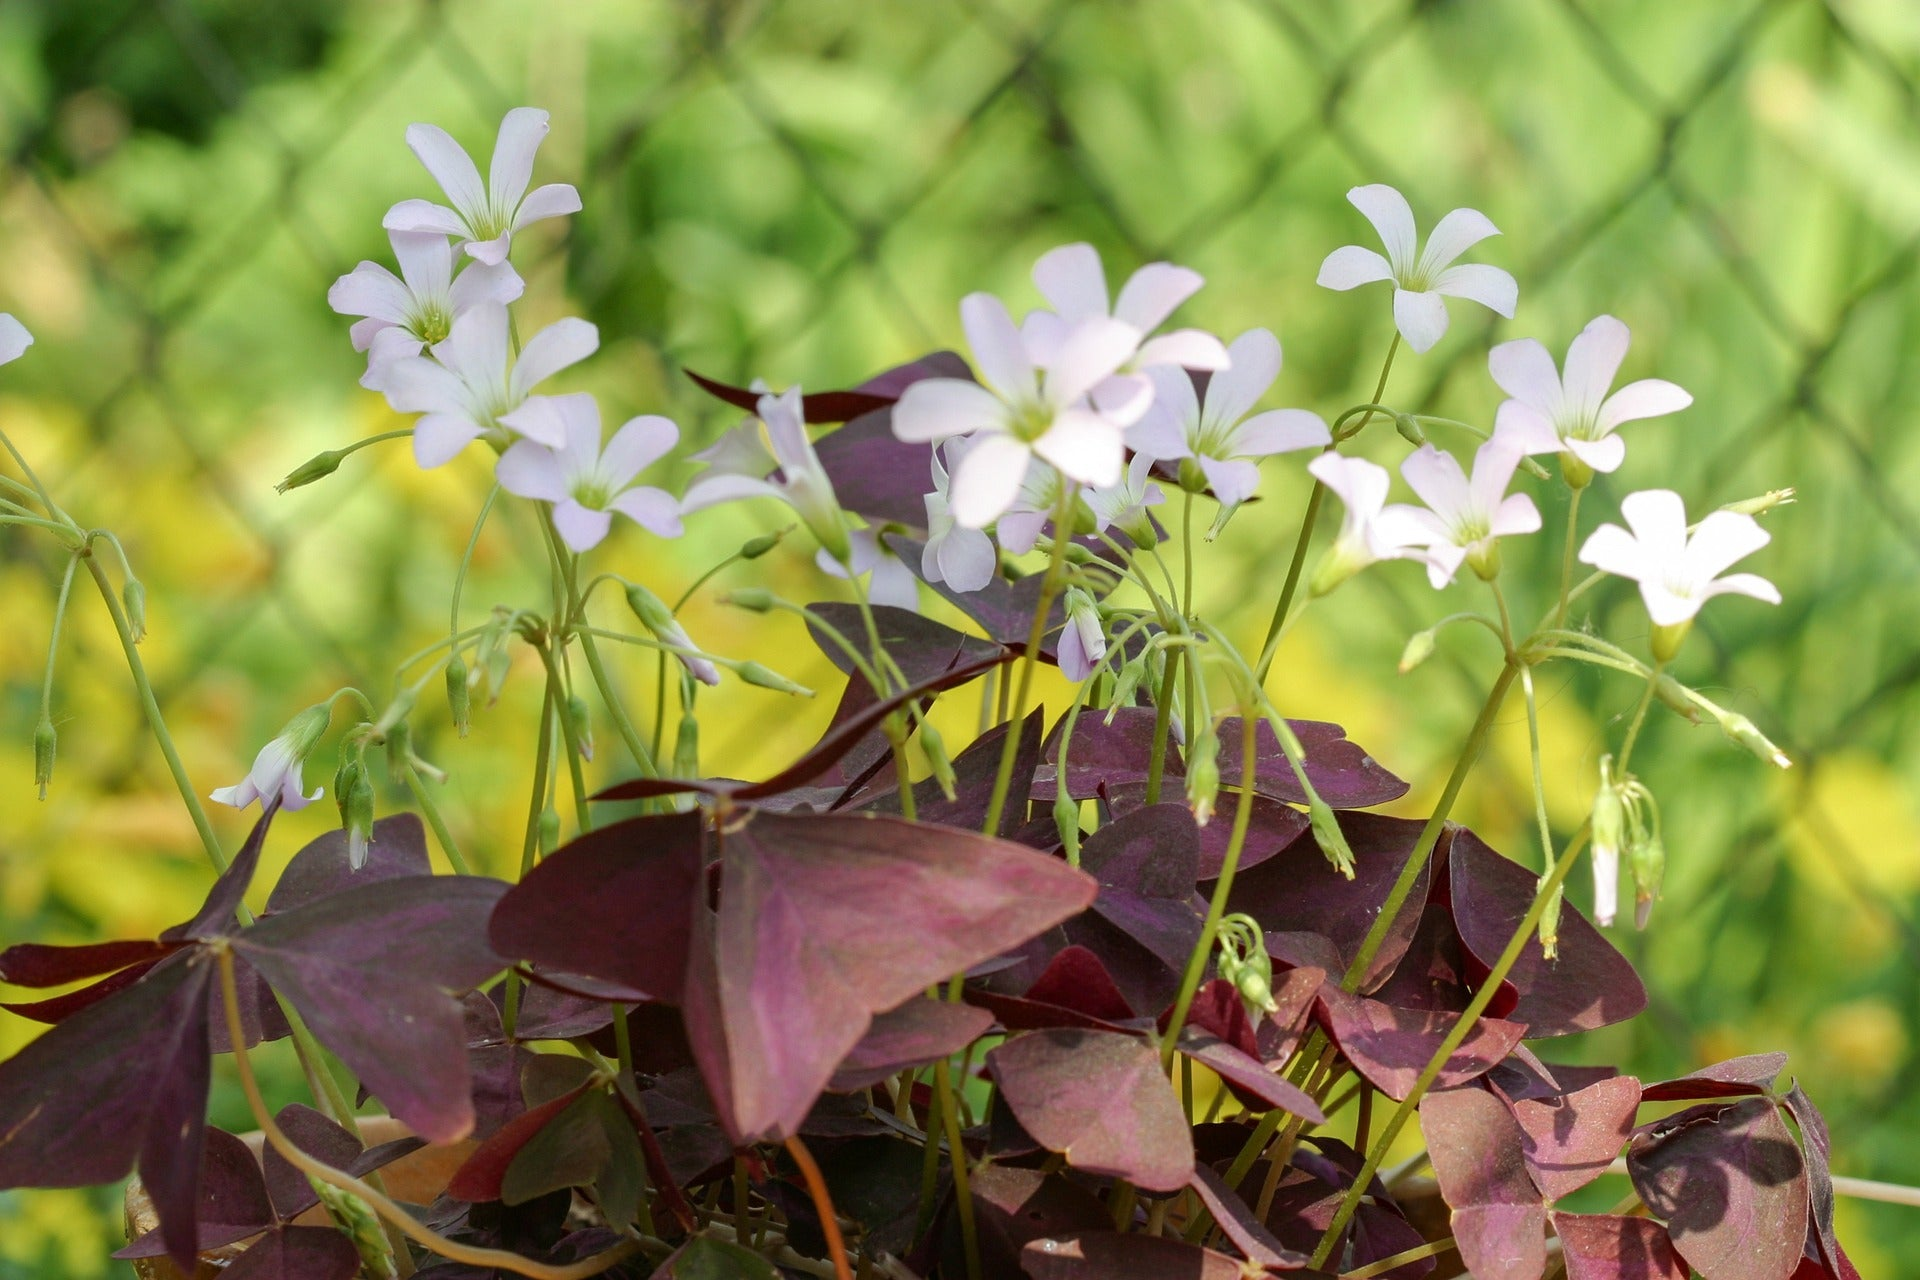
{"points": [[1420, 647], [1341, 562], [1126, 685], [1666, 640], [1409, 429], [754, 548], [1761, 505], [1576, 473], [1550, 924], [1608, 831], [936, 748], [1066, 817], [686, 748], [361, 1225], [45, 741], [581, 723], [549, 830], [1743, 731], [1328, 835], [345, 777], [399, 752], [766, 677], [318, 467], [459, 695], [357, 812], [754, 599], [1647, 860], [651, 610], [1203, 774], [134, 596]]}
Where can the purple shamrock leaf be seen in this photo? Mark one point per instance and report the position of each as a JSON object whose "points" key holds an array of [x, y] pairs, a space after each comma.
{"points": [[918, 1032], [1570, 1140], [1343, 774], [1477, 1149], [1610, 1246], [1107, 1255], [1101, 1100], [1817, 1147], [397, 846], [1748, 1076], [1391, 1046], [1074, 990], [1731, 1183]]}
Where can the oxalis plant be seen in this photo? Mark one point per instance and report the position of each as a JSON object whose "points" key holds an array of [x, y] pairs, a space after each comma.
{"points": [[1133, 987]]}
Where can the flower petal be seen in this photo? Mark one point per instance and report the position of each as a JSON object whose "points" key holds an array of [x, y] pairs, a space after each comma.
{"points": [[372, 290], [1351, 266], [997, 349], [894, 584], [1524, 370], [964, 559], [1187, 348], [713, 488], [1489, 286], [14, 338], [1667, 607], [492, 252], [1522, 427], [1612, 549], [1232, 481], [1493, 466], [1255, 357], [439, 437], [936, 408], [1391, 216], [476, 349], [1279, 431], [1084, 446], [1420, 317], [562, 343], [415, 384], [540, 420], [1152, 293], [1745, 584], [987, 480], [1123, 398], [1071, 654], [554, 200], [1360, 484], [1658, 519], [1604, 455], [637, 445], [451, 167], [521, 133], [1647, 398], [581, 528], [1094, 349], [480, 283], [1041, 333], [1722, 539], [531, 470], [1515, 515], [1072, 281], [1593, 358], [426, 263], [1436, 476], [652, 509], [1452, 236], [424, 216]]}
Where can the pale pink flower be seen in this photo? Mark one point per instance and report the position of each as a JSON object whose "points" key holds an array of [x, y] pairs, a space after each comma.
{"points": [[485, 216], [1422, 279], [1571, 412], [1463, 519], [1678, 572], [584, 483], [740, 466], [963, 559], [418, 307]]}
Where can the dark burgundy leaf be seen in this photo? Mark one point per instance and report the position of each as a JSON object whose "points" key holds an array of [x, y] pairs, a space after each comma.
{"points": [[174, 1081], [375, 970], [1344, 775], [1101, 1100], [1816, 1146], [1304, 1205], [318, 1136], [1257, 1086], [233, 1199], [36, 965], [62, 1007], [1236, 1221], [704, 1258], [297, 1253], [1219, 1011], [1298, 891], [484, 1173], [1294, 994], [1732, 1186], [615, 904], [827, 919], [1111, 757], [1074, 990], [1145, 862], [1571, 1140], [1590, 984], [1433, 972], [975, 771], [397, 847], [876, 392], [1608, 1246], [261, 1017], [1107, 1255], [216, 916], [875, 473], [1734, 1078], [918, 1032], [1476, 1147], [919, 646], [569, 1150], [1391, 1047], [548, 1014]]}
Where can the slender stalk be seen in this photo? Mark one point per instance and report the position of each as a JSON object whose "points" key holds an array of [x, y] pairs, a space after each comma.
{"points": [[1162, 724], [466, 559], [53, 646], [823, 1204], [1432, 1249], [962, 1188], [448, 845], [542, 760], [1049, 589], [1217, 906], [39, 489], [37, 523], [1566, 558], [1639, 717]]}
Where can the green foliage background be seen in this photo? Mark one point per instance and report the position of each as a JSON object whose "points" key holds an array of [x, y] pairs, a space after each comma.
{"points": [[802, 191]]}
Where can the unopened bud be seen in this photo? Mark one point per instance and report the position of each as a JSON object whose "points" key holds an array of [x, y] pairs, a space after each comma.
{"points": [[1761, 505], [459, 695], [1420, 647], [399, 752], [1674, 694], [361, 1225], [581, 723], [1409, 429], [942, 764], [1550, 924], [754, 548], [357, 811], [766, 677], [134, 595], [1126, 685], [1066, 818], [686, 748], [1744, 732], [652, 611], [347, 776], [1608, 829], [1647, 860], [754, 599], [45, 741], [549, 830], [1203, 774], [1328, 835], [318, 467]]}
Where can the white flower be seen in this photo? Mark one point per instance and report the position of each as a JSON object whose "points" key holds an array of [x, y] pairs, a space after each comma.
{"points": [[1572, 413], [1216, 433], [964, 559], [1677, 573], [274, 779], [1019, 526], [1368, 531], [484, 216], [1124, 505], [416, 308], [1420, 278], [1083, 643], [585, 483], [474, 381], [1464, 518], [892, 582], [14, 338], [1074, 283], [1017, 414], [740, 467]]}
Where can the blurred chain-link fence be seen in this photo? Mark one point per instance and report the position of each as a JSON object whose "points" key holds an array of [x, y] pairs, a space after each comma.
{"points": [[802, 190]]}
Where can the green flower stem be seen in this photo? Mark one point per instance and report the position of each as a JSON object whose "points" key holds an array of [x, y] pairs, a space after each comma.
{"points": [[1271, 645], [1432, 1249], [466, 558], [1217, 906], [39, 489], [557, 693], [944, 1085], [542, 761], [1639, 716], [1430, 833], [1566, 558], [1454, 1039], [35, 522], [448, 845], [1049, 590], [1539, 778], [1162, 723], [53, 643]]}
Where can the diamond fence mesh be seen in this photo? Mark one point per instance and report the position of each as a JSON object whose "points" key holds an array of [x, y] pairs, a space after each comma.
{"points": [[802, 191]]}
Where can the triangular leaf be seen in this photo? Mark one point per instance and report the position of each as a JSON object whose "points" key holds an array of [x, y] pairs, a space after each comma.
{"points": [[297, 1253], [233, 1200], [1572, 1140], [1101, 1100], [1732, 1186], [216, 915], [397, 846], [918, 1032], [1391, 1046], [1342, 773], [1610, 1246], [1107, 1255], [1748, 1076]]}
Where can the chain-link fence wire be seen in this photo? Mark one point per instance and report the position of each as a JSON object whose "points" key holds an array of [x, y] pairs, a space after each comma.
{"points": [[802, 190]]}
